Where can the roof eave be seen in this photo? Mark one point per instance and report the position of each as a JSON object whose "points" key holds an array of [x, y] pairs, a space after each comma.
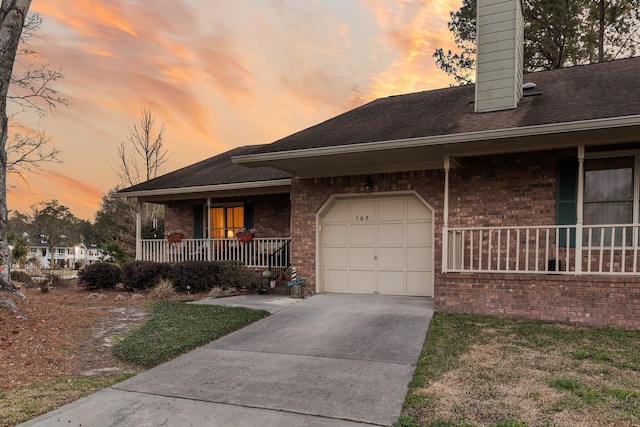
{"points": [[208, 189]]}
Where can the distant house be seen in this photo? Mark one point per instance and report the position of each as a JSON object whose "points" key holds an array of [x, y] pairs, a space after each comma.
{"points": [[64, 256], [517, 196]]}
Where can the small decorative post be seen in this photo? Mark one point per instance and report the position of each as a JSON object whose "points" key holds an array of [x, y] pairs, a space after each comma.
{"points": [[295, 283]]}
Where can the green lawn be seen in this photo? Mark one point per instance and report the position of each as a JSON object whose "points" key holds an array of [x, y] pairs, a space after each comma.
{"points": [[177, 327], [484, 371]]}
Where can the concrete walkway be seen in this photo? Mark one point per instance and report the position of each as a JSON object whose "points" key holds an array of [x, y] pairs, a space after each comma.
{"points": [[330, 360]]}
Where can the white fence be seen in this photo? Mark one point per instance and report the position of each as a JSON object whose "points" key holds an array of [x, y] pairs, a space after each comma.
{"points": [[253, 254], [560, 249]]}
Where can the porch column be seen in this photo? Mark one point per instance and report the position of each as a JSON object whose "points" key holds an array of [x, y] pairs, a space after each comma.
{"points": [[139, 232], [445, 217], [579, 203], [208, 236]]}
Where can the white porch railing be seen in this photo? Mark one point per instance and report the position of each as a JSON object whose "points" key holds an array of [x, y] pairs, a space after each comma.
{"points": [[252, 254], [601, 249]]}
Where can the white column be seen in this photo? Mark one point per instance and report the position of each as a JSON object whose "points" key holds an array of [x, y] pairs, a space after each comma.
{"points": [[579, 204], [208, 236], [139, 232], [445, 216]]}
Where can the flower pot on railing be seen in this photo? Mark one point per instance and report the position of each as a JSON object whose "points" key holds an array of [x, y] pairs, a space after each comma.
{"points": [[245, 237], [174, 238]]}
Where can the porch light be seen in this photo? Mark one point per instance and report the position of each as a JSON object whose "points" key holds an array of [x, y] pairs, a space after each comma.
{"points": [[368, 185]]}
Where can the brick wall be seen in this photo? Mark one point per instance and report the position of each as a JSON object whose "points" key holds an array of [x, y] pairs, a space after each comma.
{"points": [[272, 215], [589, 300], [514, 189], [179, 216]]}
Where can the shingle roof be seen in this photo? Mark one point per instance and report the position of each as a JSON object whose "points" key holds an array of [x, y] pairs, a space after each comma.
{"points": [[595, 91], [215, 170], [587, 92]]}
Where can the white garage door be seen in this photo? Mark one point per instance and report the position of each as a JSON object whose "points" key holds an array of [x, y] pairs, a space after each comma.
{"points": [[378, 245]]}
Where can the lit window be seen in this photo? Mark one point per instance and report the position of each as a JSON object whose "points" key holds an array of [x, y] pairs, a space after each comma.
{"points": [[225, 221]]}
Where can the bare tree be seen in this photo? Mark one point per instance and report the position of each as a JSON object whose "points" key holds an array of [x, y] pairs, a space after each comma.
{"points": [[12, 18], [143, 154], [141, 157]]}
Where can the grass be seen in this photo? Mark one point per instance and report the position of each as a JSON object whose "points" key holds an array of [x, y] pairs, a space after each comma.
{"points": [[177, 327], [477, 371], [20, 405]]}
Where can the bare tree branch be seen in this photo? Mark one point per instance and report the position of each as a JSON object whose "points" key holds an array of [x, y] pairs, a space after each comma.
{"points": [[33, 90], [28, 150], [143, 154]]}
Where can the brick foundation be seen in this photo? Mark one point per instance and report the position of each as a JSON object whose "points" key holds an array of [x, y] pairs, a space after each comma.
{"points": [[589, 300]]}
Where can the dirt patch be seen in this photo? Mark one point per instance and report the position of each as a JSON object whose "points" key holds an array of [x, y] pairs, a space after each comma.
{"points": [[66, 332]]}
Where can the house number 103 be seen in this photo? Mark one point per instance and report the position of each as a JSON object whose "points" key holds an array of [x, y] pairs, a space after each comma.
{"points": [[362, 218]]}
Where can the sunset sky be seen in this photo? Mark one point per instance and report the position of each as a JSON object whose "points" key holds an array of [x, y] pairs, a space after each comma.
{"points": [[219, 74]]}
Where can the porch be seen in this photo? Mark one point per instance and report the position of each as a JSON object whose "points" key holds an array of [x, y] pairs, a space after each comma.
{"points": [[611, 249], [263, 253]]}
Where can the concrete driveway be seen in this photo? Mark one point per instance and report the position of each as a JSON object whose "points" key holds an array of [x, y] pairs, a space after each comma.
{"points": [[330, 360]]}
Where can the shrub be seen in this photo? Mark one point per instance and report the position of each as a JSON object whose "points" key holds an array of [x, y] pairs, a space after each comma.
{"points": [[139, 275], [21, 276], [163, 290], [101, 275], [232, 274], [44, 287], [198, 275]]}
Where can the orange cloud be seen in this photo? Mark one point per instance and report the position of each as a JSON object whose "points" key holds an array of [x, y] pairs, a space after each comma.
{"points": [[76, 192], [416, 29], [75, 15]]}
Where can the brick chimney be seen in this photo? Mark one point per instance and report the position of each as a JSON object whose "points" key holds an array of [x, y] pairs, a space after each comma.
{"points": [[499, 60]]}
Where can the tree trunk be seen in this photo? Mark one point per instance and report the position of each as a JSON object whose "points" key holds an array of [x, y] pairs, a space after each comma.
{"points": [[601, 32], [12, 16]]}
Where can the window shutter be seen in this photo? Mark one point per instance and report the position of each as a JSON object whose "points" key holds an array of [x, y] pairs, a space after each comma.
{"points": [[248, 215], [567, 195], [198, 222]]}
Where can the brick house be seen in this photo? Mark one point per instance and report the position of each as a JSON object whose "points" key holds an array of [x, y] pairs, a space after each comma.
{"points": [[517, 196]]}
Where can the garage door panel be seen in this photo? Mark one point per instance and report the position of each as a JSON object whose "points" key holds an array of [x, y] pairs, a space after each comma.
{"points": [[391, 210], [420, 259], [391, 257], [419, 233], [335, 257], [335, 234], [362, 234], [338, 213], [335, 280], [362, 210], [416, 210], [419, 283], [391, 282], [391, 233], [361, 281], [361, 258]]}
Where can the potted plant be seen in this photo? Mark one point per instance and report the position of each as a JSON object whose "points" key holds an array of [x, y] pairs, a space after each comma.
{"points": [[174, 236], [245, 234]]}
